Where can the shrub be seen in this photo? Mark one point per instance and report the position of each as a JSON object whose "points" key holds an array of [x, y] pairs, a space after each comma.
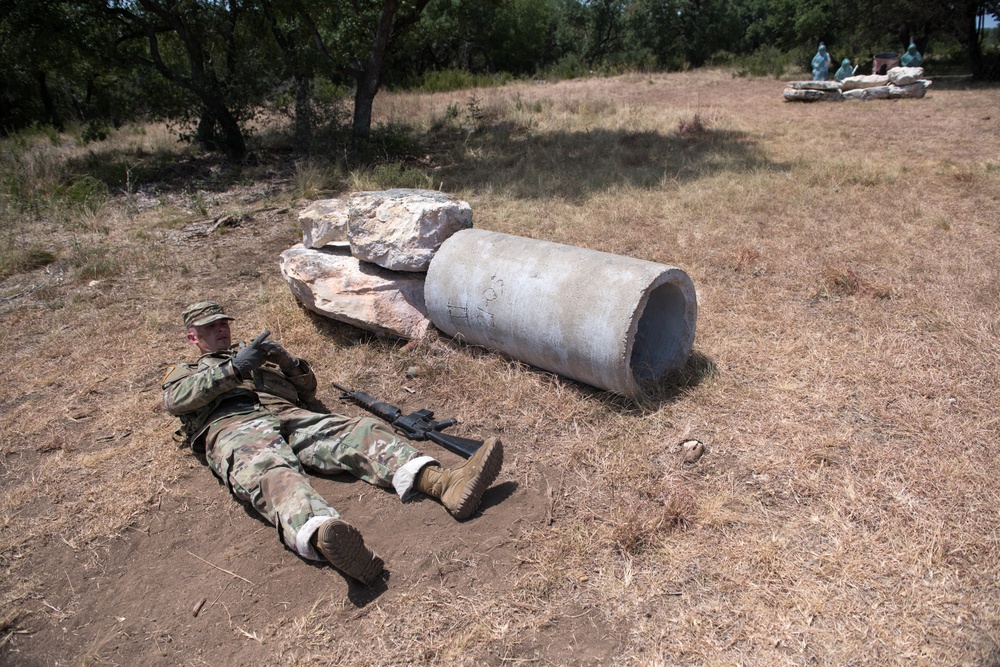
{"points": [[765, 61], [85, 192]]}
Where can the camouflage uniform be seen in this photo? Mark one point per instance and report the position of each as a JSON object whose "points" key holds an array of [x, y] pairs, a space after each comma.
{"points": [[259, 441]]}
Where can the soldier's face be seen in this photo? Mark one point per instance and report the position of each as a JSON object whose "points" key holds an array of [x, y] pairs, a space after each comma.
{"points": [[213, 337]]}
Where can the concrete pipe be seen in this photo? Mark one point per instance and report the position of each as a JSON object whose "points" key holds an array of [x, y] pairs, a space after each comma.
{"points": [[610, 321]]}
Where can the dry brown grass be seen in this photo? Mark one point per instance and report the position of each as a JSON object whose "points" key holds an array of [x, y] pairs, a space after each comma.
{"points": [[846, 259]]}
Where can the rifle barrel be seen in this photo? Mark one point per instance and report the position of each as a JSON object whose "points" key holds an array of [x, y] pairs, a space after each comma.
{"points": [[408, 426]]}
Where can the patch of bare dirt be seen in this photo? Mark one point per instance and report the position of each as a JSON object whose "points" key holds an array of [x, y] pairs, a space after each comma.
{"points": [[202, 580]]}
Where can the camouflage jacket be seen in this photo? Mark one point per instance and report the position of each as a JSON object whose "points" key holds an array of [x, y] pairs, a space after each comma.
{"points": [[209, 389]]}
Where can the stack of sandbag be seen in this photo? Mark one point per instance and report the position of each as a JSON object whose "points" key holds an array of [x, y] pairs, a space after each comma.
{"points": [[363, 258], [899, 82]]}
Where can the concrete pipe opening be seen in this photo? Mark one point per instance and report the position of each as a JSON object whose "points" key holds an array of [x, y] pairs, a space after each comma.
{"points": [[614, 322], [661, 343]]}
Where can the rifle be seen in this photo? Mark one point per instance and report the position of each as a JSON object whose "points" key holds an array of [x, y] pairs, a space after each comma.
{"points": [[419, 425]]}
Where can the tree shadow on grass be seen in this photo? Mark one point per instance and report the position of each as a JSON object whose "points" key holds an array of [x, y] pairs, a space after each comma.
{"points": [[125, 171], [574, 165], [503, 155], [959, 82]]}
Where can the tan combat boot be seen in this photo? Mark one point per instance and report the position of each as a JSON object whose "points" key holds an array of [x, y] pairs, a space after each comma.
{"points": [[342, 545], [461, 489]]}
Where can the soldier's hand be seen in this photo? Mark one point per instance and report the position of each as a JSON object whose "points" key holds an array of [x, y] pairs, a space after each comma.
{"points": [[249, 358], [279, 355]]}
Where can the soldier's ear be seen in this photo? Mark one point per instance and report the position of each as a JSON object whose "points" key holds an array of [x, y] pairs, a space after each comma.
{"points": [[192, 336]]}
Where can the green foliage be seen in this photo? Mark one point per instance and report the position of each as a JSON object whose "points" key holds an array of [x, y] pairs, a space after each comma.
{"points": [[94, 131], [395, 140], [479, 36], [212, 67], [991, 40], [86, 192], [570, 66], [765, 61]]}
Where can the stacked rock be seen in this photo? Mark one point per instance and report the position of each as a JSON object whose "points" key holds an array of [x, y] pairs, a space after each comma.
{"points": [[898, 82], [813, 91], [363, 258]]}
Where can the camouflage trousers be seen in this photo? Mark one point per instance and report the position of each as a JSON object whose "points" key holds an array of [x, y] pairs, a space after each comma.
{"points": [[262, 457]]}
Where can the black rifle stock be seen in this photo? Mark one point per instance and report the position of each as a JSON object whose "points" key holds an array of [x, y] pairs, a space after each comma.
{"points": [[419, 425]]}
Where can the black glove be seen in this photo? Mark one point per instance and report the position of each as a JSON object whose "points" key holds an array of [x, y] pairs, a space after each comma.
{"points": [[279, 355], [249, 358]]}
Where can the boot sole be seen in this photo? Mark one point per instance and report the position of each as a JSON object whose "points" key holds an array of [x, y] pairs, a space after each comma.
{"points": [[473, 492], [342, 545]]}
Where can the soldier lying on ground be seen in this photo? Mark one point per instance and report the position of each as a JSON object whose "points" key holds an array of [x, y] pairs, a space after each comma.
{"points": [[243, 406]]}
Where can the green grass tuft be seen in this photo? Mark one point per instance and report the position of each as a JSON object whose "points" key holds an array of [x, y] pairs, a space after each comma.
{"points": [[22, 260]]}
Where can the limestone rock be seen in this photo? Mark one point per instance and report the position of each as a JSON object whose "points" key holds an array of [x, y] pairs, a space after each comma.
{"points": [[814, 85], [876, 93], [324, 222], [914, 90], [866, 81], [692, 450], [904, 76], [401, 229], [811, 95], [331, 282]]}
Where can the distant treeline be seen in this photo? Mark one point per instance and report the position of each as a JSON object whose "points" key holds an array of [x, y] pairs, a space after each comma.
{"points": [[211, 65]]}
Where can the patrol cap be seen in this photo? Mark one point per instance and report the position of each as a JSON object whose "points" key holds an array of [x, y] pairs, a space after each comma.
{"points": [[202, 313]]}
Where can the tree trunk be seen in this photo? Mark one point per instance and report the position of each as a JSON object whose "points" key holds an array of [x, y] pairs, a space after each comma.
{"points": [[368, 76], [973, 46], [50, 107], [303, 114], [364, 99], [233, 143], [218, 130]]}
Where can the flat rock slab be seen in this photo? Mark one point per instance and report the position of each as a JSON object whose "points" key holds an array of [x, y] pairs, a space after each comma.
{"points": [[332, 283], [814, 85], [909, 91], [875, 93], [811, 95], [865, 81]]}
